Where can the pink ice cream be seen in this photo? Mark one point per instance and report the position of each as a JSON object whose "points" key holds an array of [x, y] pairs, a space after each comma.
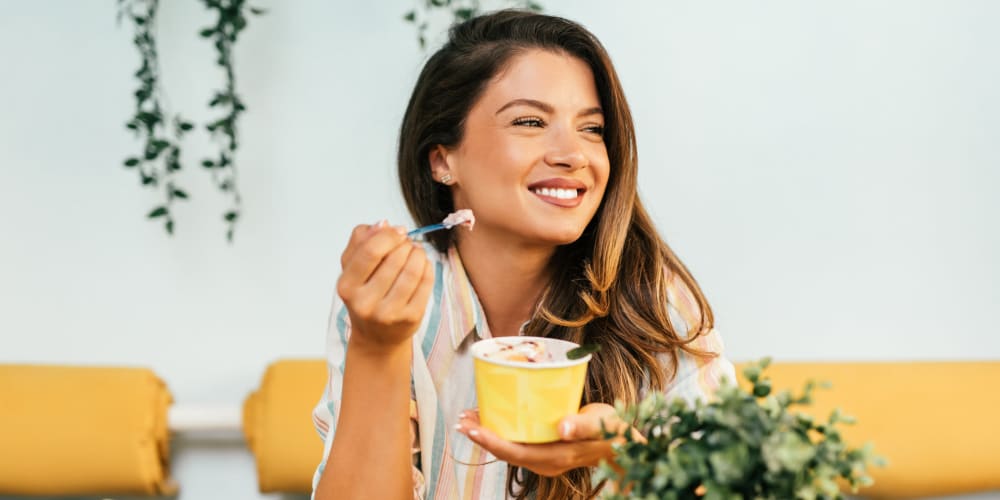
{"points": [[527, 351], [463, 217]]}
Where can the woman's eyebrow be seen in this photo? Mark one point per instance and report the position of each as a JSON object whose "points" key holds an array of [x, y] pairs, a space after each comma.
{"points": [[546, 107]]}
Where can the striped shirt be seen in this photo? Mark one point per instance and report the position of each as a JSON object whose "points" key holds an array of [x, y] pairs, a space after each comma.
{"points": [[447, 465]]}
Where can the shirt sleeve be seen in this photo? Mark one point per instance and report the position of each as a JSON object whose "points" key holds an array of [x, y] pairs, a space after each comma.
{"points": [[326, 411], [694, 377]]}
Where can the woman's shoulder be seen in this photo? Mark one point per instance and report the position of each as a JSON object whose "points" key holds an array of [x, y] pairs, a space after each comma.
{"points": [[682, 302]]}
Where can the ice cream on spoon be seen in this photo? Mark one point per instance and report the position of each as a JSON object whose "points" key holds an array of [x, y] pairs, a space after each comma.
{"points": [[463, 217]]}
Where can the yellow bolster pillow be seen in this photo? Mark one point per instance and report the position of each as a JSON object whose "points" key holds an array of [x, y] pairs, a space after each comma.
{"points": [[277, 424], [83, 431], [935, 422]]}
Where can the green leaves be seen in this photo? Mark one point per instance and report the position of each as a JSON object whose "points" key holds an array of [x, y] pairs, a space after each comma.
{"points": [[458, 10], [464, 14], [762, 388], [231, 21], [157, 212], [786, 452], [579, 352], [160, 131], [740, 445]]}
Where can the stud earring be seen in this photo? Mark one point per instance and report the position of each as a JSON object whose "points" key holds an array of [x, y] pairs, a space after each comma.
{"points": [[446, 179]]}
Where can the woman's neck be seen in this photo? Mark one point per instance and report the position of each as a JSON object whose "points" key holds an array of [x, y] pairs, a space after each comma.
{"points": [[508, 279]]}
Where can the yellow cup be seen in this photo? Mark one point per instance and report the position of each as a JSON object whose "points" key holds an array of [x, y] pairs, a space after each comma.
{"points": [[521, 401]]}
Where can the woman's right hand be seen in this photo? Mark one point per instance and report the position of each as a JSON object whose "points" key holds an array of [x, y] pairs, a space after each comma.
{"points": [[385, 284]]}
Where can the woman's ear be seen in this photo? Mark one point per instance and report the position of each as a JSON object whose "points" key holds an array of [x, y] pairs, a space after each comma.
{"points": [[440, 168]]}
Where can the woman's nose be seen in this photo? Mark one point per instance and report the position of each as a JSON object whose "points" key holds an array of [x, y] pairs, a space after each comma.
{"points": [[564, 151]]}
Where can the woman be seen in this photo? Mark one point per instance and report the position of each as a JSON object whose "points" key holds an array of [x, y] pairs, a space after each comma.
{"points": [[521, 118]]}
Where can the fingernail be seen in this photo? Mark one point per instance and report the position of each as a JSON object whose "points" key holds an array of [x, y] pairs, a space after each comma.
{"points": [[400, 230], [473, 432], [458, 427], [378, 225], [461, 415], [566, 429]]}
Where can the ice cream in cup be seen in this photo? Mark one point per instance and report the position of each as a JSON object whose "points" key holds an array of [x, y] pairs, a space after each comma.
{"points": [[526, 385]]}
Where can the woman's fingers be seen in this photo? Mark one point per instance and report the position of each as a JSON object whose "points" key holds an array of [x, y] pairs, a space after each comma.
{"points": [[408, 279], [382, 279], [365, 254], [418, 301], [384, 275], [548, 459], [587, 423], [358, 236]]}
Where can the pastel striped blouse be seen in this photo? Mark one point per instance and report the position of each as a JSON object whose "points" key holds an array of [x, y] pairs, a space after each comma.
{"points": [[447, 465]]}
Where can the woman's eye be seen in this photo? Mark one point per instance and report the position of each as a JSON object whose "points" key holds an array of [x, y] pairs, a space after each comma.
{"points": [[595, 129], [529, 122]]}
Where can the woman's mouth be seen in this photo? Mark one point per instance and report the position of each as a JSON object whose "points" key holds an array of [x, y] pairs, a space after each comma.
{"points": [[561, 194]]}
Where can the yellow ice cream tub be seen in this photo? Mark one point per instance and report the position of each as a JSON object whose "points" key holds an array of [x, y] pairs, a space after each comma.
{"points": [[522, 401]]}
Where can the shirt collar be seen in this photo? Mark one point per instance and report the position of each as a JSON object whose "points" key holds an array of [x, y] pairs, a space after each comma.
{"points": [[471, 317]]}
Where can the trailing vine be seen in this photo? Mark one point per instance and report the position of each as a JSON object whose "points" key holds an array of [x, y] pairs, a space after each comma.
{"points": [[232, 19], [161, 134], [460, 10]]}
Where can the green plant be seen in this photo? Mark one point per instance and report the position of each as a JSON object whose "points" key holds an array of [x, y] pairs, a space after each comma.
{"points": [[460, 10], [231, 20], [161, 132], [742, 445]]}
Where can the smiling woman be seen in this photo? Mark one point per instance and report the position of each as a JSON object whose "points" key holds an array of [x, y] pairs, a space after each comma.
{"points": [[520, 118]]}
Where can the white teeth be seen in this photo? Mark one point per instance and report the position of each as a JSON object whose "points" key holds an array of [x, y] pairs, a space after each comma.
{"points": [[562, 194]]}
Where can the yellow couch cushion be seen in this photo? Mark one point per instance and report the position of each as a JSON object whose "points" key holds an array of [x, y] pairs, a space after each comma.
{"points": [[83, 431], [935, 423], [277, 424]]}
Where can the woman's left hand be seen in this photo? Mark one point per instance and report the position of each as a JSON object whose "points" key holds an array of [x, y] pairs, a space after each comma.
{"points": [[582, 442]]}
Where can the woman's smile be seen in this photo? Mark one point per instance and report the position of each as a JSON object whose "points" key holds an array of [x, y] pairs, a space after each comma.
{"points": [[566, 193]]}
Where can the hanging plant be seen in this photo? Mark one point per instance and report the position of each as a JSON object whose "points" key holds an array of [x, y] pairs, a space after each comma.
{"points": [[161, 132], [232, 19], [460, 10]]}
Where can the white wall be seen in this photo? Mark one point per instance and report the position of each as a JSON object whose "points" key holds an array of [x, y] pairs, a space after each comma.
{"points": [[825, 170]]}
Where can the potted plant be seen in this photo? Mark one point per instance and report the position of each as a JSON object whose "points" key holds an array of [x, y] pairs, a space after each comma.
{"points": [[741, 445]]}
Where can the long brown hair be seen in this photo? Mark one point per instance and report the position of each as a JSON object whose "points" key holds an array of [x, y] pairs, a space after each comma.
{"points": [[610, 286]]}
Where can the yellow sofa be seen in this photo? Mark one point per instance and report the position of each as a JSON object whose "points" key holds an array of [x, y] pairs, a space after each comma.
{"points": [[277, 425], [83, 430], [934, 422]]}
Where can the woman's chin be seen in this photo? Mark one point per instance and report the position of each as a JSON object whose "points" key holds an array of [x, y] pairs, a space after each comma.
{"points": [[563, 236]]}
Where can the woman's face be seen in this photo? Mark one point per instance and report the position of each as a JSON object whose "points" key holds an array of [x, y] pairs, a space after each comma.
{"points": [[532, 164]]}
